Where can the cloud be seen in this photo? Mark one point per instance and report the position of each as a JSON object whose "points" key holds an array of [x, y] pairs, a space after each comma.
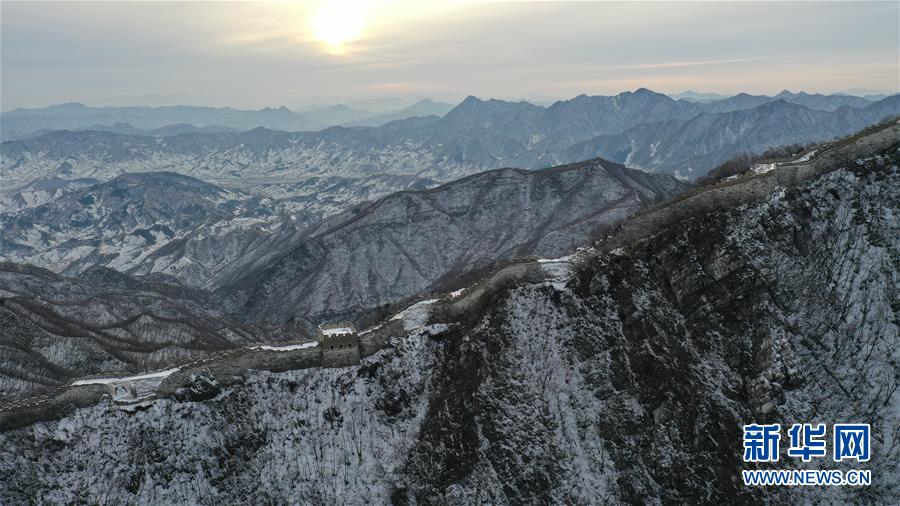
{"points": [[262, 53]]}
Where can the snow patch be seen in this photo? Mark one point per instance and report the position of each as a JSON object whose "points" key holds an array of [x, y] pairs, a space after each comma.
{"points": [[126, 379], [557, 270], [337, 331], [415, 316], [807, 156], [289, 347], [762, 168]]}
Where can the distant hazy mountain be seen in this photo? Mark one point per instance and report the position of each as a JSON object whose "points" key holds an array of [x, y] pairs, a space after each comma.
{"points": [[474, 136], [75, 116], [738, 102], [424, 107], [584, 115], [337, 115], [693, 96], [812, 101], [387, 105], [408, 242], [127, 129]]}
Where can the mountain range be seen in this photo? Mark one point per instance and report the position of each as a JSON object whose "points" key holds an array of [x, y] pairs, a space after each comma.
{"points": [[141, 120], [691, 148], [278, 259], [168, 120], [23, 122], [642, 129]]}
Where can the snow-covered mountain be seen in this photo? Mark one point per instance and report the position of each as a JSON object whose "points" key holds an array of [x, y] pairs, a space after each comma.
{"points": [[58, 328], [623, 380], [170, 234], [40, 191], [161, 222], [408, 242]]}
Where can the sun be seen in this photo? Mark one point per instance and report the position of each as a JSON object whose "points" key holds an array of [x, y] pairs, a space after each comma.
{"points": [[340, 22]]}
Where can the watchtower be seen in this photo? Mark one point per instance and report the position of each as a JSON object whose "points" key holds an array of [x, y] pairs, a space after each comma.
{"points": [[339, 343]]}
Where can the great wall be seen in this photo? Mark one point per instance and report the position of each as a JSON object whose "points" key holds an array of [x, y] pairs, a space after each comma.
{"points": [[229, 367], [754, 187]]}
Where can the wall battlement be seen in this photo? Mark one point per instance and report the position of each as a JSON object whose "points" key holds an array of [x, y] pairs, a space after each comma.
{"points": [[339, 343]]}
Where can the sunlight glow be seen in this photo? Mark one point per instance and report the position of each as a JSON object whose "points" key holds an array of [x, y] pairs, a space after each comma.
{"points": [[340, 22]]}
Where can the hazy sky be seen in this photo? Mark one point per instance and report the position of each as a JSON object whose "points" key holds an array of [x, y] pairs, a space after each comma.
{"points": [[297, 54]]}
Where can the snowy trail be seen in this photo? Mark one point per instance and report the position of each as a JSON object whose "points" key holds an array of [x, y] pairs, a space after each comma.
{"points": [[557, 270], [415, 316], [126, 379]]}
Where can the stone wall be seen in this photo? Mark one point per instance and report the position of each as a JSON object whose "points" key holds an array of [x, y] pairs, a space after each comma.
{"points": [[756, 187], [372, 341], [841, 153], [340, 351], [794, 174], [724, 195]]}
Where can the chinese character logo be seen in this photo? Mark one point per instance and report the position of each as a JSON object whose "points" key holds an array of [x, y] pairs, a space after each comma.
{"points": [[761, 442], [807, 441], [851, 442]]}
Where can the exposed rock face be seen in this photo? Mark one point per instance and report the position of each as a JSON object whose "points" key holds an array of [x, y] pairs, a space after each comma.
{"points": [[408, 242], [626, 384]]}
